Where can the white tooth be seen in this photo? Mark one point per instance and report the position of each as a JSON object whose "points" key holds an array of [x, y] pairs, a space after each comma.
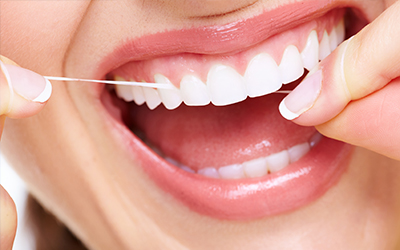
{"points": [[187, 169], [138, 95], [262, 76], [226, 86], [315, 139], [333, 40], [298, 151], [209, 172], [291, 67], [124, 92], [152, 98], [171, 98], [231, 172], [278, 161], [340, 32], [256, 168], [310, 53], [194, 91], [324, 47]]}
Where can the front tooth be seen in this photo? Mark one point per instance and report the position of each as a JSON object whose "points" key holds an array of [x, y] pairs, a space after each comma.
{"points": [[340, 32], [152, 98], [262, 76], [209, 172], [225, 85], [324, 47], [291, 67], [256, 168], [138, 95], [194, 91], [333, 40], [298, 151], [310, 53], [231, 172], [124, 92], [171, 98], [278, 161]]}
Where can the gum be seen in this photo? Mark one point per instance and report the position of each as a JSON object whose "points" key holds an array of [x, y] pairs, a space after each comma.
{"points": [[174, 67]]}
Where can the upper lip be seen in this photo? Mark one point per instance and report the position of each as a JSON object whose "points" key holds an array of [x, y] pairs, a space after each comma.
{"points": [[220, 39]]}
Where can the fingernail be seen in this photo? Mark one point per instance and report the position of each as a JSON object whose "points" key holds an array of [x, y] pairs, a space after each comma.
{"points": [[27, 84], [303, 97]]}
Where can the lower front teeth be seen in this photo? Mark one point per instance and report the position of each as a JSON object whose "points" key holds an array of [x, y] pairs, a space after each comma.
{"points": [[257, 167]]}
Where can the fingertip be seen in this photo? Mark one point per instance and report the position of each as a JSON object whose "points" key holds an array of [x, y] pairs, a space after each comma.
{"points": [[46, 93], [8, 220]]}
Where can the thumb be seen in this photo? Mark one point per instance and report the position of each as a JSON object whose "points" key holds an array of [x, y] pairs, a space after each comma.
{"points": [[23, 93], [358, 73], [8, 220]]}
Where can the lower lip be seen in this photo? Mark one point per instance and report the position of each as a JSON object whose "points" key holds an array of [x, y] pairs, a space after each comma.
{"points": [[296, 186]]}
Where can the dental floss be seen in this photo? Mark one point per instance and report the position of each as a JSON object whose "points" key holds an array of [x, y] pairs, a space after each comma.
{"points": [[142, 84]]}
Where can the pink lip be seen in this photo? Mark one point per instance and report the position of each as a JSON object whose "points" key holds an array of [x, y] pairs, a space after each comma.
{"points": [[220, 39], [299, 184]]}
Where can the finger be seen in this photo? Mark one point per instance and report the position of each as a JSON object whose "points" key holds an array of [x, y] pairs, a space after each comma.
{"points": [[372, 122], [357, 69], [23, 93], [8, 220]]}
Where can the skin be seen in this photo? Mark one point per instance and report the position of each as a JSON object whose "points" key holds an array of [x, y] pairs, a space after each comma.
{"points": [[58, 38]]}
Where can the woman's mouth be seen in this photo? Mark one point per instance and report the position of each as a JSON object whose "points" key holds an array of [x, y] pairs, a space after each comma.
{"points": [[216, 140]]}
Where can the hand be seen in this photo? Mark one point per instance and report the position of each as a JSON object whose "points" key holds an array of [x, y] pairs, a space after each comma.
{"points": [[23, 93], [354, 94]]}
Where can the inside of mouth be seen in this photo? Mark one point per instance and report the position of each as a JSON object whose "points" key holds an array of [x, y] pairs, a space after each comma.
{"points": [[247, 139]]}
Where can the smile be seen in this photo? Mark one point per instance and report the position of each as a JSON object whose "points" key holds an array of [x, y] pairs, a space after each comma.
{"points": [[215, 140]]}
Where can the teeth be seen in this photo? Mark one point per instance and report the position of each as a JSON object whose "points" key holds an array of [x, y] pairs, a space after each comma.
{"points": [[310, 53], [256, 168], [324, 47], [298, 151], [194, 91], [333, 40], [262, 76], [231, 172], [315, 139], [226, 86], [138, 95], [209, 172], [291, 66], [340, 32], [152, 98], [123, 91], [279, 161], [171, 98]]}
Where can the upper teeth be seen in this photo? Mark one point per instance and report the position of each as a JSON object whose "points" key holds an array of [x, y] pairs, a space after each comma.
{"points": [[226, 86]]}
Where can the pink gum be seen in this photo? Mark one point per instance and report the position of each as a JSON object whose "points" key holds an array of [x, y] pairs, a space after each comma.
{"points": [[174, 67]]}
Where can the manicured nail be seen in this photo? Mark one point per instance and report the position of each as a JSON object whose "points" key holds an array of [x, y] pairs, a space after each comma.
{"points": [[27, 84], [303, 97]]}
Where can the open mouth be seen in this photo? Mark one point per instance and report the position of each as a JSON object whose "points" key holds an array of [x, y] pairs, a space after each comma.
{"points": [[216, 140]]}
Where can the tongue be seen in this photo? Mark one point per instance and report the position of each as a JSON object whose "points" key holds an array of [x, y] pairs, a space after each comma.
{"points": [[210, 136]]}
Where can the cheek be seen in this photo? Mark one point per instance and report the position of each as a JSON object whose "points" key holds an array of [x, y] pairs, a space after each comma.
{"points": [[37, 34]]}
